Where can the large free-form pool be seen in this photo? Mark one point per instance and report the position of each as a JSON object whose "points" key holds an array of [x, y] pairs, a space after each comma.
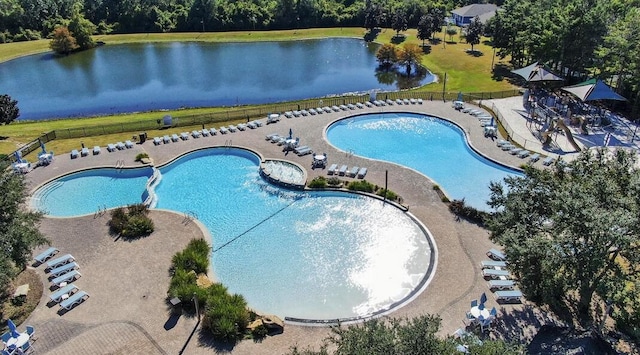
{"points": [[432, 146], [322, 255]]}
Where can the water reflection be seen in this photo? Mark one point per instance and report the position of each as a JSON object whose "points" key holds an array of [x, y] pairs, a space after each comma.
{"points": [[139, 77]]}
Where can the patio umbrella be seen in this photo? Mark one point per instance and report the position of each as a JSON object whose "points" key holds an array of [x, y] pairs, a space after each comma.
{"points": [[536, 72], [290, 133], [12, 329], [18, 156], [483, 298], [44, 150], [592, 90]]}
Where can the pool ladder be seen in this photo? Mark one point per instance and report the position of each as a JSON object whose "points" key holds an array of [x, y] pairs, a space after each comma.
{"points": [[189, 216], [228, 143], [120, 165], [100, 212], [349, 153]]}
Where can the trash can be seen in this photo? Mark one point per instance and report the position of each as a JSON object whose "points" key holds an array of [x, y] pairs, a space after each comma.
{"points": [[176, 305], [143, 137]]}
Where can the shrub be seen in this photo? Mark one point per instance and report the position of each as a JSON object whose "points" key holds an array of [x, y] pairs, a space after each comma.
{"points": [[260, 332], [334, 181], [363, 185], [141, 156], [137, 226], [132, 222], [459, 208], [318, 182], [392, 196], [225, 316], [194, 257]]}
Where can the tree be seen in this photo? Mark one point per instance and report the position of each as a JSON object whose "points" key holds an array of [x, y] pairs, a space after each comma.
{"points": [[9, 110], [437, 19], [474, 32], [571, 233], [81, 29], [399, 22], [425, 29], [387, 55], [62, 42], [409, 55], [451, 31], [19, 232]]}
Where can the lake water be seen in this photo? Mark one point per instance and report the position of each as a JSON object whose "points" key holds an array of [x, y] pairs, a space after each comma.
{"points": [[142, 77]]}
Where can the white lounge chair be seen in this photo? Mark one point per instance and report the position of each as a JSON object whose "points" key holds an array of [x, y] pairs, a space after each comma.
{"points": [[63, 269], [242, 127], [495, 274], [96, 150], [63, 293], [252, 125], [157, 140], [502, 142], [335, 108], [332, 169], [205, 132], [120, 146], [507, 146], [319, 110], [297, 113], [413, 101], [327, 109], [389, 102], [343, 170], [419, 101], [184, 136], [534, 158], [128, 144], [501, 285], [304, 112], [354, 171], [313, 111], [523, 154], [68, 277], [84, 152], [195, 134], [362, 172], [175, 137], [166, 139], [258, 123], [548, 161], [223, 130], [516, 151], [74, 300], [74, 154], [213, 131], [492, 264], [288, 114], [303, 152], [46, 255], [508, 296], [368, 104], [496, 254], [406, 101], [66, 258], [232, 128], [351, 106], [359, 105], [343, 107], [111, 147], [399, 102], [300, 148]]}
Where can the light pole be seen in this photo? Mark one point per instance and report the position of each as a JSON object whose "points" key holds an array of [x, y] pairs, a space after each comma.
{"points": [[493, 58], [195, 301]]}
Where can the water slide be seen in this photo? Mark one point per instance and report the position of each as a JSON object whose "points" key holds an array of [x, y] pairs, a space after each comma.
{"points": [[546, 134]]}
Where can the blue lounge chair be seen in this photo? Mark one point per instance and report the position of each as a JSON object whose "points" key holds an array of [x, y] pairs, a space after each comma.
{"points": [[66, 258], [354, 171], [68, 277], [46, 255], [508, 296], [492, 264], [362, 172], [343, 170], [474, 303], [65, 290], [332, 169], [63, 269], [74, 154], [495, 274], [496, 254], [501, 285], [77, 298]]}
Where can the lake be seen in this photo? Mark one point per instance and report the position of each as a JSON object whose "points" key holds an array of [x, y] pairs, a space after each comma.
{"points": [[152, 76]]}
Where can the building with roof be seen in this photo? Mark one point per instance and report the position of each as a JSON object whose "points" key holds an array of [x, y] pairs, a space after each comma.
{"points": [[464, 15]]}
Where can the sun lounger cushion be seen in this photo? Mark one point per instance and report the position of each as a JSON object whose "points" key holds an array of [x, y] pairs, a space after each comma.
{"points": [[496, 254], [508, 296], [66, 258], [501, 284], [332, 169], [492, 264], [74, 154], [69, 276], [354, 171], [77, 298], [63, 269], [495, 274], [66, 290], [362, 172], [45, 255], [96, 150], [343, 170]]}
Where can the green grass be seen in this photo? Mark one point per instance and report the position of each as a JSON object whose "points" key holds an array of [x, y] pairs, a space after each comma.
{"points": [[465, 72]]}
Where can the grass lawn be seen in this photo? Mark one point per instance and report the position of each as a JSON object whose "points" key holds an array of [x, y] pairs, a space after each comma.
{"points": [[464, 71]]}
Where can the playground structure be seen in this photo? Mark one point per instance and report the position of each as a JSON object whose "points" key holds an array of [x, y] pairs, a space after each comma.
{"points": [[553, 124]]}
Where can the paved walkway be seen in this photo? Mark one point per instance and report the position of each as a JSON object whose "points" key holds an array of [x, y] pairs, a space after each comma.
{"points": [[128, 281]]}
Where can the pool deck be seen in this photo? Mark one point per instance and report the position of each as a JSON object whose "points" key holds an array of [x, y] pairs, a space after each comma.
{"points": [[127, 281]]}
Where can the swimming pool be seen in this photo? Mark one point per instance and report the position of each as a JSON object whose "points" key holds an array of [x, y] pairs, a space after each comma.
{"points": [[321, 255], [432, 146]]}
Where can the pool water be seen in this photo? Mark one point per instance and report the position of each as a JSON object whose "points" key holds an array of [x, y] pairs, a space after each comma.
{"points": [[432, 146], [323, 255]]}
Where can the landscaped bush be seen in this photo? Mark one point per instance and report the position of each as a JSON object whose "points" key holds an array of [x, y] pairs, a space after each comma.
{"points": [[334, 181], [132, 222], [141, 156], [362, 185], [183, 286], [459, 208], [225, 315], [391, 196], [194, 257], [318, 183]]}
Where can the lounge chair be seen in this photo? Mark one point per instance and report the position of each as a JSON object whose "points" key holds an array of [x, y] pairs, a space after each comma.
{"points": [[63, 292], [343, 107], [66, 258], [6, 336], [359, 105], [166, 139], [297, 113], [223, 130], [507, 146], [288, 114], [242, 127], [46, 255], [419, 101], [368, 104], [213, 131], [534, 158], [232, 128], [313, 111], [31, 331], [335, 108], [63, 269], [343, 170], [184, 136], [361, 173], [319, 110], [508, 296], [174, 137], [157, 140], [111, 147], [501, 285], [389, 102], [354, 171], [252, 125], [413, 101], [68, 277], [196, 134], [84, 152], [492, 264], [96, 150], [26, 348], [269, 137], [327, 109], [516, 151], [74, 154], [300, 148], [406, 101], [495, 274], [523, 154], [128, 144], [77, 298], [502, 142], [399, 102], [496, 254], [332, 169], [258, 123], [351, 106], [120, 146], [306, 151], [205, 132], [548, 161]]}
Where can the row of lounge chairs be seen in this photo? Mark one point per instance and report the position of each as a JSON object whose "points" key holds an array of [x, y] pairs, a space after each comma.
{"points": [[289, 143], [347, 107], [343, 171], [97, 150], [206, 132], [523, 153], [499, 278], [62, 270]]}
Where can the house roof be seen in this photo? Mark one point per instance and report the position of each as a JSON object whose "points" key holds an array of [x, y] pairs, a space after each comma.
{"points": [[474, 10]]}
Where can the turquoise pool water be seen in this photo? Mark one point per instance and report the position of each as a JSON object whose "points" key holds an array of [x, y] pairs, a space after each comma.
{"points": [[430, 145], [322, 255]]}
